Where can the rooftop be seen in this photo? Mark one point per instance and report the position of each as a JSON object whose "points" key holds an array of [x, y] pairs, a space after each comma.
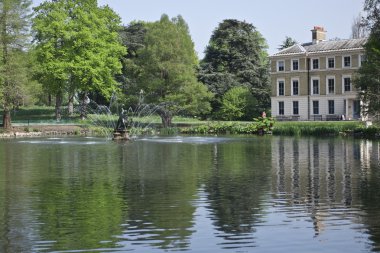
{"points": [[323, 46]]}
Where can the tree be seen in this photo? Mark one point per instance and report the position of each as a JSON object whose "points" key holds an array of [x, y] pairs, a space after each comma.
{"points": [[238, 104], [14, 37], [78, 47], [358, 28], [236, 56], [133, 38], [368, 78], [372, 7], [288, 42], [167, 65]]}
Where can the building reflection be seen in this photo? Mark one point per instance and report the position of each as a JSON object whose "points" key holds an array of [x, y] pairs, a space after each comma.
{"points": [[322, 174]]}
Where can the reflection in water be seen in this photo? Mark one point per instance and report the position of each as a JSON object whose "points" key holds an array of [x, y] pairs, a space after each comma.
{"points": [[272, 194], [327, 177]]}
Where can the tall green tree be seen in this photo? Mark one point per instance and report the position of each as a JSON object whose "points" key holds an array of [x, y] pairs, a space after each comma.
{"points": [[133, 38], [78, 48], [368, 77], [167, 70], [236, 56], [288, 42], [14, 37]]}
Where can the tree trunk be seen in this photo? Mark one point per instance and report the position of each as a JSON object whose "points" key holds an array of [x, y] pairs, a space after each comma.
{"points": [[58, 105], [71, 104], [166, 121], [166, 118], [7, 119], [49, 99]]}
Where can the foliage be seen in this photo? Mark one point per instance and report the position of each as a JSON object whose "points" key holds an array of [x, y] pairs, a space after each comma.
{"points": [[264, 124], [78, 47], [315, 128], [236, 56], [260, 126], [166, 70], [132, 37], [372, 8], [368, 77], [288, 42], [238, 104], [14, 37]]}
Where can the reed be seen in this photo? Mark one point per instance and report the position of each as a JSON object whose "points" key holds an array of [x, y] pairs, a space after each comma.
{"points": [[316, 128]]}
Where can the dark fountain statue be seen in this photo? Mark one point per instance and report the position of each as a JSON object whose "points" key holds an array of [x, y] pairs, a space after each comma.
{"points": [[120, 132]]}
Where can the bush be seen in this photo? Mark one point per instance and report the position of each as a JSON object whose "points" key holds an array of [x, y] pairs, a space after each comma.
{"points": [[260, 126]]}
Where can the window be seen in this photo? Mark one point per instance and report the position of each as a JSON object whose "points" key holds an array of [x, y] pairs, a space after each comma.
{"points": [[315, 107], [331, 107], [315, 63], [347, 61], [295, 108], [347, 84], [281, 108], [331, 62], [295, 64], [330, 85], [362, 59], [280, 65], [295, 87], [315, 86], [281, 88]]}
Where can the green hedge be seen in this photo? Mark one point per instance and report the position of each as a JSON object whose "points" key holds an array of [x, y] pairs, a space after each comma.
{"points": [[259, 126]]}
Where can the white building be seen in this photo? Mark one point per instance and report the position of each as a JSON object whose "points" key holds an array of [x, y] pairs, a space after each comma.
{"points": [[313, 81]]}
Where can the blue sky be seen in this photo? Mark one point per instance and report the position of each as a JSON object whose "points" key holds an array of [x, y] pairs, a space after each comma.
{"points": [[274, 19]]}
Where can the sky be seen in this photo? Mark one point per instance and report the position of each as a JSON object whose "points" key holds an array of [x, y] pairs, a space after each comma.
{"points": [[274, 19]]}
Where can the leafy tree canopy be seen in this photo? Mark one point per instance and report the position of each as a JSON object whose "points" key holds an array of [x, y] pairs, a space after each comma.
{"points": [[288, 42], [236, 56], [164, 68], [78, 46], [368, 78], [238, 104]]}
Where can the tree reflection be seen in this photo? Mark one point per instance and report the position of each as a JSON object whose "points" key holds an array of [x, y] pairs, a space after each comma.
{"points": [[160, 183], [237, 185], [80, 207]]}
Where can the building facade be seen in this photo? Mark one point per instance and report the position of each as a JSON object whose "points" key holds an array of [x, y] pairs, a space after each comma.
{"points": [[313, 81]]}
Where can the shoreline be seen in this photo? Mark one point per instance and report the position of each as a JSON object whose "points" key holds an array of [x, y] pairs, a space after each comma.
{"points": [[45, 130]]}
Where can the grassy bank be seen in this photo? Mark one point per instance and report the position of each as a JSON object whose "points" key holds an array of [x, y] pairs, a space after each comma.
{"points": [[354, 128], [186, 125]]}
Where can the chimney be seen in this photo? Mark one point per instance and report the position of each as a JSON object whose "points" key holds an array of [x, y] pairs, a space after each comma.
{"points": [[318, 34]]}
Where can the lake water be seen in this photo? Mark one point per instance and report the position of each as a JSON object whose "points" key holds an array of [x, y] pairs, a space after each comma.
{"points": [[195, 194]]}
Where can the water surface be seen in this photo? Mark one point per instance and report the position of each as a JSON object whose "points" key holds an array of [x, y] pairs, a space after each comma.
{"points": [[195, 194]]}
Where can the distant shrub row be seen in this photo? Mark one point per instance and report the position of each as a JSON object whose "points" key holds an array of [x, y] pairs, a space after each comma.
{"points": [[259, 126], [325, 129]]}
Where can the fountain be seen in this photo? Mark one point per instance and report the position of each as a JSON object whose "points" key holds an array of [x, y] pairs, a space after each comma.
{"points": [[120, 132], [131, 122]]}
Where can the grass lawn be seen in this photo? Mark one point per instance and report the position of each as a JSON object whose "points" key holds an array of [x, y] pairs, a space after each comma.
{"points": [[45, 114]]}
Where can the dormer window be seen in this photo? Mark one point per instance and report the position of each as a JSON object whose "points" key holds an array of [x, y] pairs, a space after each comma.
{"points": [[281, 65]]}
